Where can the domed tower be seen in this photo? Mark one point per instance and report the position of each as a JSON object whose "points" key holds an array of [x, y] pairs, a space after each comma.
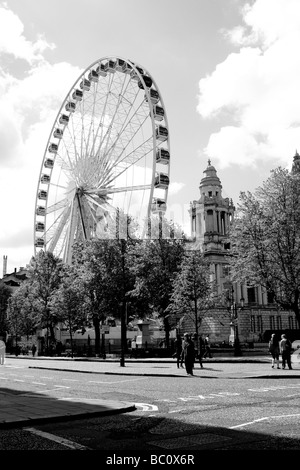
{"points": [[296, 163], [211, 217]]}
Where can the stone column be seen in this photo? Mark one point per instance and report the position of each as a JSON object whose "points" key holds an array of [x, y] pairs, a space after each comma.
{"points": [[245, 293], [259, 295]]}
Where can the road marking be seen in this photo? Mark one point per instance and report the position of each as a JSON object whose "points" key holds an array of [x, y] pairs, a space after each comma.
{"points": [[270, 389], [146, 407], [115, 382], [60, 440], [15, 367], [263, 419], [38, 383], [71, 380], [167, 400]]}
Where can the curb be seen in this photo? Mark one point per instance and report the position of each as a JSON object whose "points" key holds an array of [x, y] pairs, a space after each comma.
{"points": [[153, 374], [63, 417]]}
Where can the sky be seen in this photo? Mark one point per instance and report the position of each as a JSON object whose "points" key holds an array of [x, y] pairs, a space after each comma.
{"points": [[228, 72]]}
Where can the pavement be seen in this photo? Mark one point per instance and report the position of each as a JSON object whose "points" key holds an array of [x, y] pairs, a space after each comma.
{"points": [[19, 409]]}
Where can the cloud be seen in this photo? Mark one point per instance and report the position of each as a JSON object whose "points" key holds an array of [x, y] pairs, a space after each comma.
{"points": [[30, 98], [175, 188], [252, 97], [13, 41]]}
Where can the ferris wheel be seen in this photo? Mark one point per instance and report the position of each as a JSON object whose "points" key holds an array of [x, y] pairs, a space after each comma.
{"points": [[108, 151]]}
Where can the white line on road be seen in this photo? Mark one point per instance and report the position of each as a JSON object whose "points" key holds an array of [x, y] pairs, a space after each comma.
{"points": [[71, 380], [115, 382], [59, 440], [264, 419], [274, 388], [146, 407], [38, 383]]}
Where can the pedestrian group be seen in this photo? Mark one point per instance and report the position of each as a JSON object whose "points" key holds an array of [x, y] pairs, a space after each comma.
{"points": [[186, 353], [283, 347]]}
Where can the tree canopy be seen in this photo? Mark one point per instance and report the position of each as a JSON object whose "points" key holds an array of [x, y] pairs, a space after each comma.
{"points": [[266, 239], [192, 288]]}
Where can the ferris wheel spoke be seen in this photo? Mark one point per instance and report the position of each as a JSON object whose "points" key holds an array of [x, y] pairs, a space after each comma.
{"points": [[126, 189], [132, 157], [131, 127], [92, 134], [119, 99], [57, 206], [118, 103], [106, 137], [59, 186], [65, 157], [104, 192], [122, 156], [90, 206], [136, 155], [58, 228], [94, 200], [70, 235]]}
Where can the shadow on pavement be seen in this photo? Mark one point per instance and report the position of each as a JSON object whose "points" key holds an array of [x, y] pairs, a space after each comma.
{"points": [[133, 435], [18, 408]]}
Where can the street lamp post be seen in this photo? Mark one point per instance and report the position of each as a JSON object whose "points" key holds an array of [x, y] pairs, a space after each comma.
{"points": [[123, 333], [232, 307]]}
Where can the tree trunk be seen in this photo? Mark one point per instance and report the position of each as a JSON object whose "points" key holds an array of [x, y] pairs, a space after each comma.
{"points": [[71, 341], [96, 323]]}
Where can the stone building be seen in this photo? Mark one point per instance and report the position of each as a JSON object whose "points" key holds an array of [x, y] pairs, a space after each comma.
{"points": [[13, 280], [250, 312]]}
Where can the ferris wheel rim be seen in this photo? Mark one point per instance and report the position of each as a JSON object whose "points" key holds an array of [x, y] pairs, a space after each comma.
{"points": [[141, 72]]}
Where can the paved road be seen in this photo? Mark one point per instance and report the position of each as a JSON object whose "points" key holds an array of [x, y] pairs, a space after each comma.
{"points": [[18, 410]]}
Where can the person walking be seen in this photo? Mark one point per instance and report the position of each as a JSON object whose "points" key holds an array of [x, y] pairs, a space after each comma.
{"points": [[274, 350], [188, 354], [207, 347], [201, 350], [285, 349], [33, 350], [178, 351], [2, 352]]}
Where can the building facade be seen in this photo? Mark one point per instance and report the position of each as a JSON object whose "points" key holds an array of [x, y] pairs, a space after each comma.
{"points": [[250, 310]]}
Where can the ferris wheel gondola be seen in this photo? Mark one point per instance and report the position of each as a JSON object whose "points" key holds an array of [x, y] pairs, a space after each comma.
{"points": [[108, 150]]}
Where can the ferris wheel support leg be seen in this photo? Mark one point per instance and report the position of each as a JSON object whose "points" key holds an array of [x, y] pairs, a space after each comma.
{"points": [[71, 233]]}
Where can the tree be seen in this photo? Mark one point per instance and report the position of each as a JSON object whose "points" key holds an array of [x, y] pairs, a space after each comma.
{"points": [[266, 239], [44, 278], [68, 300], [192, 289], [4, 296], [15, 320], [104, 271], [22, 311], [156, 264]]}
